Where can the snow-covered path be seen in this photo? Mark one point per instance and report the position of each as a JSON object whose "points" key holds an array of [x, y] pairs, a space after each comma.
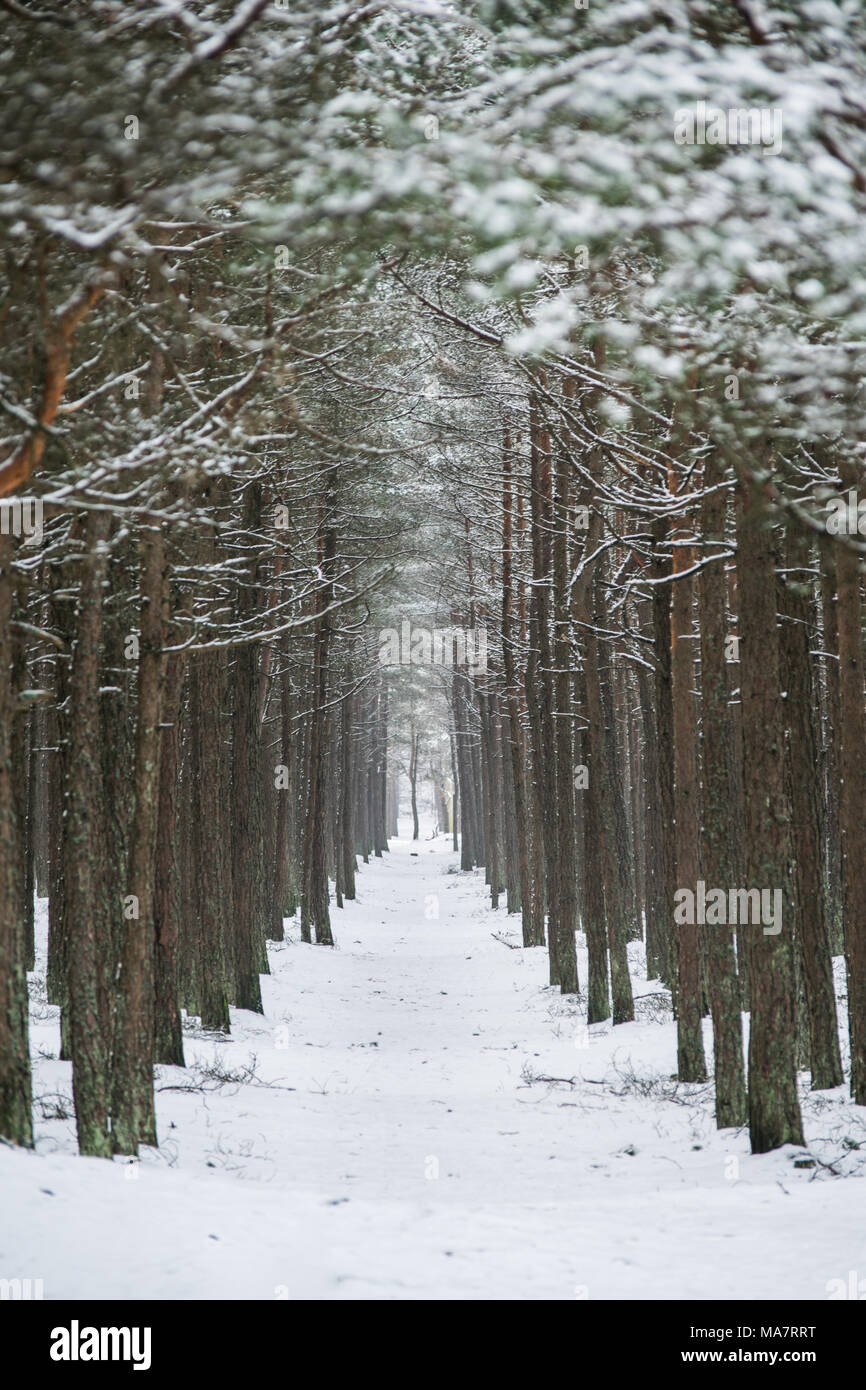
{"points": [[399, 1140]]}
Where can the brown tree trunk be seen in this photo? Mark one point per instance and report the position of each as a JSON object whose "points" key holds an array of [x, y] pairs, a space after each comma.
{"points": [[469, 853], [213, 923], [515, 751], [133, 1120], [539, 679], [654, 880], [16, 1124], [691, 1065], [414, 740], [596, 853], [661, 611], [252, 910], [564, 886], [314, 903], [774, 1108], [832, 740], [63, 621], [599, 871], [852, 770], [168, 1034], [601, 840], [813, 943], [346, 783], [718, 862], [85, 868]]}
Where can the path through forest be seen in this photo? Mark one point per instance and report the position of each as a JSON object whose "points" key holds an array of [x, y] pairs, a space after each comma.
{"points": [[397, 1140]]}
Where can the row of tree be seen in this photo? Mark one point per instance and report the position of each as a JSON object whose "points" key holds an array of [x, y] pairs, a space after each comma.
{"points": [[677, 657], [316, 321]]}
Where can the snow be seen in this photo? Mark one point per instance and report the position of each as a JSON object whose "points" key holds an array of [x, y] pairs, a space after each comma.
{"points": [[412, 1050]]}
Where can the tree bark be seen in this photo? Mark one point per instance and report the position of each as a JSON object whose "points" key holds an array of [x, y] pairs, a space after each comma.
{"points": [[813, 943], [133, 1120], [774, 1108], [691, 1065], [718, 863], [852, 769], [16, 1123]]}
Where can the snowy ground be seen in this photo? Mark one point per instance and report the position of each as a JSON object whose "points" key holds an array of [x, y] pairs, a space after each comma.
{"points": [[400, 1134]]}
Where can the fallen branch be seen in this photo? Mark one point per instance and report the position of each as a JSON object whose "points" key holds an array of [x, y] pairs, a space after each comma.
{"points": [[510, 944]]}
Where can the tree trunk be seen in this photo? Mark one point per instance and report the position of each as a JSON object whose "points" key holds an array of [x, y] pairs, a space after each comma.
{"points": [[133, 1120], [539, 680], [414, 740], [16, 1124], [168, 1034], [661, 610], [314, 904], [564, 887], [813, 943], [852, 769], [691, 1065], [718, 863], [214, 921], [774, 1108], [346, 782], [516, 752], [251, 879]]}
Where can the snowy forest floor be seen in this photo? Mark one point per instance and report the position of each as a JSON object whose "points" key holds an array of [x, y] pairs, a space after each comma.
{"points": [[419, 1116]]}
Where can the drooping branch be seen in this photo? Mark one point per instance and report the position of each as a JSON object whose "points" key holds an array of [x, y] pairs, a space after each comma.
{"points": [[59, 333]]}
